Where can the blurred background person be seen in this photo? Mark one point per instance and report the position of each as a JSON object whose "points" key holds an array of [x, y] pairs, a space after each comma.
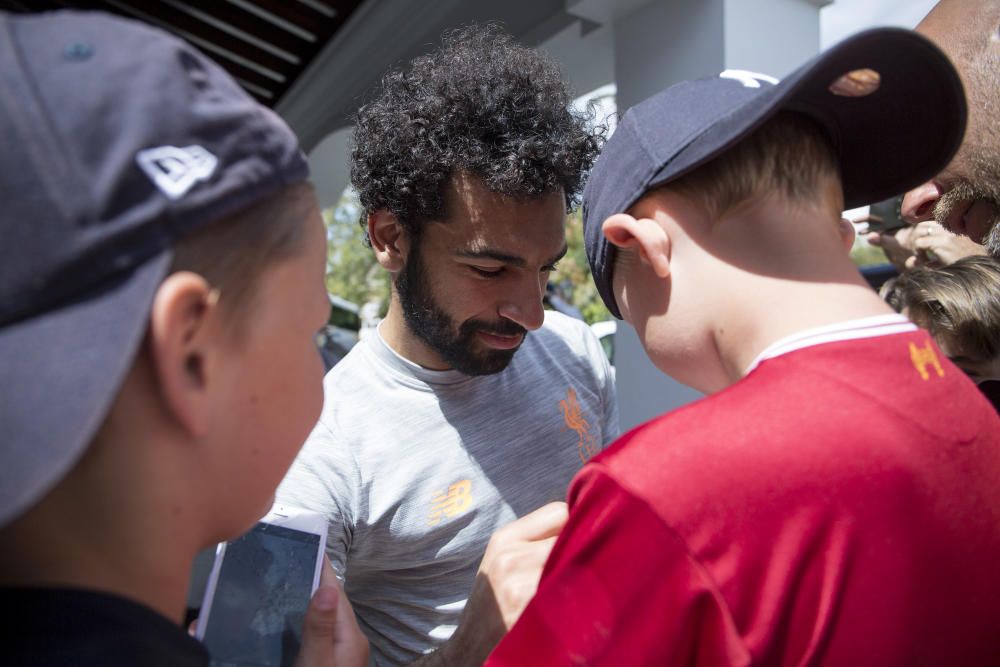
{"points": [[959, 305]]}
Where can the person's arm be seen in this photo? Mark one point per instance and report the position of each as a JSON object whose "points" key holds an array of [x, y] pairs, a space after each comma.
{"points": [[324, 478], [620, 588], [507, 580]]}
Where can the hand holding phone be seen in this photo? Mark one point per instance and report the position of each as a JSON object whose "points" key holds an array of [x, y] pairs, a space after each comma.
{"points": [[331, 636], [259, 589]]}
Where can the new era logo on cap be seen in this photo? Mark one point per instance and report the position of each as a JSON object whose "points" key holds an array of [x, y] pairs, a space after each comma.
{"points": [[176, 170], [747, 78]]}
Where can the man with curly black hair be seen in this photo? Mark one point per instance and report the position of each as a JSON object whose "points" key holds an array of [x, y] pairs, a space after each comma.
{"points": [[472, 406]]}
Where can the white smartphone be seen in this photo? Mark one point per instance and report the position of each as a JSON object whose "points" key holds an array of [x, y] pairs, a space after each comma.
{"points": [[259, 589]]}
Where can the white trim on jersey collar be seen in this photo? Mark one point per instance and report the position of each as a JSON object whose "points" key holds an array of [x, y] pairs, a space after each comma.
{"points": [[866, 327]]}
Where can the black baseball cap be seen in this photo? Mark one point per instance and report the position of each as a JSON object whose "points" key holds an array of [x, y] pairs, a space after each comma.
{"points": [[119, 139], [895, 121]]}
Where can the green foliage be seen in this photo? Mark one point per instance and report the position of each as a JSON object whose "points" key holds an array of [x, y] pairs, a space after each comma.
{"points": [[572, 274], [865, 254], [351, 269]]}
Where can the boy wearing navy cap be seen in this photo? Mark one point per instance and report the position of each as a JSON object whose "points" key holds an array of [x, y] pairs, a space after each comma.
{"points": [[836, 498], [161, 282]]}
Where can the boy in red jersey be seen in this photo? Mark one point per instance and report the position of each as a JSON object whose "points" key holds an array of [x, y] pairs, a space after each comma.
{"points": [[836, 498]]}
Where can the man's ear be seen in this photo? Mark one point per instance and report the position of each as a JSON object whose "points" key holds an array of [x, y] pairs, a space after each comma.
{"points": [[183, 328], [645, 236], [389, 240]]}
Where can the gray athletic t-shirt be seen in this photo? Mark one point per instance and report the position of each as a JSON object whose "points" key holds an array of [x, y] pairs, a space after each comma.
{"points": [[416, 469]]}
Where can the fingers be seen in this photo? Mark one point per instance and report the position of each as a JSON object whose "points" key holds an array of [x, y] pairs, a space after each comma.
{"points": [[326, 575], [903, 237], [928, 228], [896, 246], [934, 245], [511, 574], [320, 628], [941, 247], [330, 633], [544, 522], [528, 559], [507, 580]]}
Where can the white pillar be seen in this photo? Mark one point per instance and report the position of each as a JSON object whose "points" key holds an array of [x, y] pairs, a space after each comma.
{"points": [[329, 164]]}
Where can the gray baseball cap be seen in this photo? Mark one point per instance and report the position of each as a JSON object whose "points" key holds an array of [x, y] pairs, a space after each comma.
{"points": [[119, 139]]}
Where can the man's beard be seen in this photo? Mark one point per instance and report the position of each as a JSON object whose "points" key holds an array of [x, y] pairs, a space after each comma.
{"points": [[965, 191], [457, 345], [979, 173]]}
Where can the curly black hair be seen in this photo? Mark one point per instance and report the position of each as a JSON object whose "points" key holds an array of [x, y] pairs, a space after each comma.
{"points": [[481, 104]]}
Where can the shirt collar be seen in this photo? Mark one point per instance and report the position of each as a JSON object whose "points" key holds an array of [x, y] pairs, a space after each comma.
{"points": [[865, 327]]}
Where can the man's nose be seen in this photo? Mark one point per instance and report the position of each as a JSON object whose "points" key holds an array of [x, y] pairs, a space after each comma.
{"points": [[918, 203], [524, 306]]}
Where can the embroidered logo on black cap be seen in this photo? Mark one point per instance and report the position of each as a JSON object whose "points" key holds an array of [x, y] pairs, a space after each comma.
{"points": [[747, 78], [176, 170]]}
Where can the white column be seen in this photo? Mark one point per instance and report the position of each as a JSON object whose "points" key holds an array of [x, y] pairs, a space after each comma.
{"points": [[771, 36], [329, 164]]}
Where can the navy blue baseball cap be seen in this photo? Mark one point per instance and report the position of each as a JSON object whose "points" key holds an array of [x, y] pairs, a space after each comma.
{"points": [[890, 101], [118, 139]]}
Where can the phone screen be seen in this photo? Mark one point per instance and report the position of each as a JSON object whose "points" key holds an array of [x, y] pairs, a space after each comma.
{"points": [[886, 216], [264, 585]]}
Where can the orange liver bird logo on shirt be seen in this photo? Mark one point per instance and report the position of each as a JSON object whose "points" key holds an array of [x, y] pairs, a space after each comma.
{"points": [[923, 358], [577, 422]]}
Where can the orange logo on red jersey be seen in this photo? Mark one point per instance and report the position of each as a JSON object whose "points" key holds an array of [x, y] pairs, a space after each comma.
{"points": [[923, 358]]}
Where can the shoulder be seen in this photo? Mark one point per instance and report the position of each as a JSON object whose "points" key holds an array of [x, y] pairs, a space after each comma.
{"points": [[356, 365], [564, 326], [567, 338], [348, 389], [565, 348], [686, 457]]}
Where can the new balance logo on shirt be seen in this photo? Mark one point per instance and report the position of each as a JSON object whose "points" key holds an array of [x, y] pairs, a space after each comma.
{"points": [[448, 504]]}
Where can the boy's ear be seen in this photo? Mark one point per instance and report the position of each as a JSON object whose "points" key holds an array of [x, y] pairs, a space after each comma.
{"points": [[389, 240], [847, 233], [642, 235], [183, 329]]}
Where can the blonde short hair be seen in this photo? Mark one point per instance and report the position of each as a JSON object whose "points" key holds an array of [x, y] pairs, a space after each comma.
{"points": [[788, 156], [232, 254]]}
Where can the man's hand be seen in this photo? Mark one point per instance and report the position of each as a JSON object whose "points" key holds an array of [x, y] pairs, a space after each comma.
{"points": [[509, 573], [925, 244], [896, 246], [934, 245], [330, 635], [507, 580]]}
